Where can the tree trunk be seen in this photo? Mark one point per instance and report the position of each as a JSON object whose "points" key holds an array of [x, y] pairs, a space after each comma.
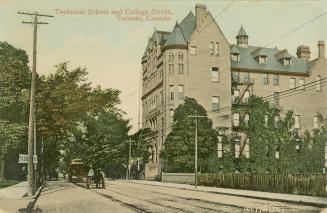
{"points": [[2, 169]]}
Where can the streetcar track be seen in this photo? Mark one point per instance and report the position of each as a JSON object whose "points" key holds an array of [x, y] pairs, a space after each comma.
{"points": [[188, 199], [128, 205], [153, 202]]}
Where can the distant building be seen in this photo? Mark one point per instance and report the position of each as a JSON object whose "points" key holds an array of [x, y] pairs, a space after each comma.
{"points": [[196, 60]]}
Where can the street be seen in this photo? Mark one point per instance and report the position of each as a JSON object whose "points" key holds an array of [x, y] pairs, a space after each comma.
{"points": [[121, 196]]}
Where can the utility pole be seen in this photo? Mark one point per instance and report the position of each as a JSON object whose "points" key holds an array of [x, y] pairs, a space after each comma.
{"points": [[196, 148], [129, 158], [31, 122]]}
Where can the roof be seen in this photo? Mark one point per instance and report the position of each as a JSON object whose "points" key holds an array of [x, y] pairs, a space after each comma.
{"points": [[176, 37], [179, 36], [242, 32], [260, 51], [248, 61], [183, 31], [234, 49], [188, 25], [283, 54], [161, 36]]}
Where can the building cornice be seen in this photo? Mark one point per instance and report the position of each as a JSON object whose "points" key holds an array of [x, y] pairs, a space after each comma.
{"points": [[152, 90], [269, 71], [174, 46]]}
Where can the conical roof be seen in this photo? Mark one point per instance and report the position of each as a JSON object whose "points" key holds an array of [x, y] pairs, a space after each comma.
{"points": [[242, 32], [176, 37]]}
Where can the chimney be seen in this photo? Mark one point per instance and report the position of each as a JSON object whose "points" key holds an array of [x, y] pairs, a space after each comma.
{"points": [[200, 12], [321, 48], [303, 52]]}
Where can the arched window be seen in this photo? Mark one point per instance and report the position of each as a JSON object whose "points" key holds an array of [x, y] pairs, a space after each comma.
{"points": [[318, 83], [171, 57]]}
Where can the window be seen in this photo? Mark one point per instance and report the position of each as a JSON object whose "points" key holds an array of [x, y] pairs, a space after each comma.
{"points": [[215, 103], [263, 59], [171, 92], [181, 92], [236, 119], [247, 77], [277, 153], [292, 83], [297, 122], [193, 50], [181, 69], [265, 79], [247, 148], [236, 96], [237, 147], [287, 62], [214, 74], [246, 120], [315, 122], [236, 77], [276, 98], [211, 48], [220, 147], [171, 69], [318, 83], [276, 120], [171, 115], [217, 48], [246, 96], [235, 57], [275, 79], [266, 121], [301, 83], [180, 56], [171, 57]]}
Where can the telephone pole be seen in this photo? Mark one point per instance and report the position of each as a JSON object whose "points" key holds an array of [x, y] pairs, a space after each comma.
{"points": [[129, 158], [196, 148], [31, 122]]}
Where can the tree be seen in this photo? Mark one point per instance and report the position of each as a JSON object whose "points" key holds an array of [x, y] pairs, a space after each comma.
{"points": [[65, 102], [179, 145], [107, 142], [14, 82], [140, 151]]}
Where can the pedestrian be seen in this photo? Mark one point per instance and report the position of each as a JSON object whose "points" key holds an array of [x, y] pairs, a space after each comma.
{"points": [[90, 176], [103, 179], [97, 177]]}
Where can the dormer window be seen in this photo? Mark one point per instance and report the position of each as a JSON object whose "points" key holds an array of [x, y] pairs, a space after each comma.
{"points": [[262, 59], [287, 62], [235, 57]]}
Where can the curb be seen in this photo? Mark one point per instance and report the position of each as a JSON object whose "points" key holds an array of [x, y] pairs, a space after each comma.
{"points": [[35, 197], [320, 205]]}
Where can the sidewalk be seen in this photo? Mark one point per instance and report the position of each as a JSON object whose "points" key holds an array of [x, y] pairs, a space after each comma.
{"points": [[309, 200], [12, 198], [14, 192]]}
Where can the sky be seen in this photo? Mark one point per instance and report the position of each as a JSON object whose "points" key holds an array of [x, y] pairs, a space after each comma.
{"points": [[111, 48]]}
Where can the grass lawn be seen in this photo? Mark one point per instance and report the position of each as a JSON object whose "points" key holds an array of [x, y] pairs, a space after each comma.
{"points": [[7, 183]]}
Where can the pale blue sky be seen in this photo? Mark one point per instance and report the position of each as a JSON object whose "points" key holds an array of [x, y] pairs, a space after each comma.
{"points": [[111, 49]]}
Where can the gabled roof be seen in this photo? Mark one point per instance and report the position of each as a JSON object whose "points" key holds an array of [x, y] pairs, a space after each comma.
{"points": [[242, 32], [283, 54], [260, 51], [248, 61]]}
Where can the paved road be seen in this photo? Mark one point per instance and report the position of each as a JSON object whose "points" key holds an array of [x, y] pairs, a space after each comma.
{"points": [[64, 197], [134, 197]]}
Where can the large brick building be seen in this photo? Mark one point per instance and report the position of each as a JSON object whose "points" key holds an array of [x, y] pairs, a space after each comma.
{"points": [[196, 60]]}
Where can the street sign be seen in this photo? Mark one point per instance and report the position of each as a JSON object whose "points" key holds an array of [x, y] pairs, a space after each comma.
{"points": [[23, 158]]}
